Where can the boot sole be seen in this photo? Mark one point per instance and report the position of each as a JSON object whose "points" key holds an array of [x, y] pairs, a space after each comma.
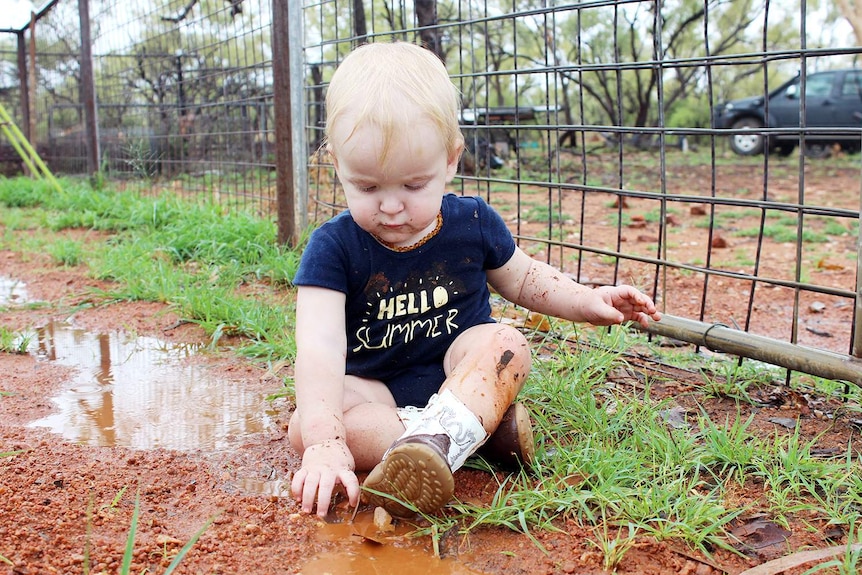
{"points": [[526, 441], [414, 473]]}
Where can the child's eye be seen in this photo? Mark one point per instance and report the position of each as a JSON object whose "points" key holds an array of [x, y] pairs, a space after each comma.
{"points": [[415, 187], [366, 188]]}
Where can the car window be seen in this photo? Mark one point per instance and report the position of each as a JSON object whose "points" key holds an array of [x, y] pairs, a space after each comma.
{"points": [[819, 85], [852, 85]]}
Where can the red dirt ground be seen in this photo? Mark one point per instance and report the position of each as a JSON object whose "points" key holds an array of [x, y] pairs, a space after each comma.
{"points": [[47, 489]]}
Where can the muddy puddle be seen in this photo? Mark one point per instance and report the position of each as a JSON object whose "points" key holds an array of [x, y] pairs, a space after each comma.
{"points": [[365, 550], [361, 547], [140, 392], [144, 393], [12, 291]]}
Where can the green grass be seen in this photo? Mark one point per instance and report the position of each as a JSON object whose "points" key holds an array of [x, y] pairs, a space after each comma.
{"points": [[13, 341], [834, 228], [783, 233], [192, 256], [128, 555], [67, 253], [609, 460]]}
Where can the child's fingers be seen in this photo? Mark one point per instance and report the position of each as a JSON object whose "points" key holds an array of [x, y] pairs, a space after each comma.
{"points": [[324, 494], [351, 485], [297, 483], [309, 492]]}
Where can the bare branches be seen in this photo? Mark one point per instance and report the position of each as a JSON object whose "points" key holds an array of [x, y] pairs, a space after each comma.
{"points": [[183, 13], [235, 8]]}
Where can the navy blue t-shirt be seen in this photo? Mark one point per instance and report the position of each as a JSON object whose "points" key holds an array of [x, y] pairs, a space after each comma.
{"points": [[404, 309]]}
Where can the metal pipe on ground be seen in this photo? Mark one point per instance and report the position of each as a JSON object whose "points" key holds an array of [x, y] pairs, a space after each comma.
{"points": [[721, 338]]}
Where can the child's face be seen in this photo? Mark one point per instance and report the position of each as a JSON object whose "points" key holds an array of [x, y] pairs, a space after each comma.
{"points": [[399, 200]]}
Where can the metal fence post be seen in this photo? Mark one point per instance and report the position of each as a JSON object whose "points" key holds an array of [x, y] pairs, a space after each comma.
{"points": [[24, 92], [88, 90], [298, 115], [857, 318]]}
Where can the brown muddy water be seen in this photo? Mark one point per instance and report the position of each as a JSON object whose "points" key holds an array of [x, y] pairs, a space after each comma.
{"points": [[144, 393]]}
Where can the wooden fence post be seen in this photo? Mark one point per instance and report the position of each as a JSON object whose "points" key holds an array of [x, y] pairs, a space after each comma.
{"points": [[284, 182]]}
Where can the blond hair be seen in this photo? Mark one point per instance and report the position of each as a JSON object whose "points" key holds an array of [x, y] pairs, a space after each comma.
{"points": [[372, 83]]}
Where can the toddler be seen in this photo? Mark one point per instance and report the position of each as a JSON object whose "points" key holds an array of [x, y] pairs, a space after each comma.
{"points": [[400, 369]]}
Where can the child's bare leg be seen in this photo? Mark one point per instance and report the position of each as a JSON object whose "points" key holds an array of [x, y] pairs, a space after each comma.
{"points": [[370, 418], [486, 368], [371, 429]]}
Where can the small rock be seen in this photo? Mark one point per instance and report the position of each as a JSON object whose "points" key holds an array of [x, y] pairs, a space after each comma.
{"points": [[383, 521], [787, 422], [252, 528], [688, 568], [168, 540], [816, 307]]}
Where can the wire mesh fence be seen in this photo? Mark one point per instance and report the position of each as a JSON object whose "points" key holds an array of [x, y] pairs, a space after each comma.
{"points": [[183, 89], [593, 128], [599, 130]]}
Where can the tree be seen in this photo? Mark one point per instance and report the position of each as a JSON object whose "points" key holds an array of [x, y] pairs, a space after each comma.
{"points": [[851, 10], [627, 52]]}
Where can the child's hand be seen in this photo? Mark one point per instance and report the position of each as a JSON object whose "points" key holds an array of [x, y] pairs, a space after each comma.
{"points": [[616, 304], [324, 465]]}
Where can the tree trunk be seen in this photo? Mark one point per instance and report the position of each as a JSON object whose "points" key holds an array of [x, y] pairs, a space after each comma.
{"points": [[426, 16], [360, 28]]}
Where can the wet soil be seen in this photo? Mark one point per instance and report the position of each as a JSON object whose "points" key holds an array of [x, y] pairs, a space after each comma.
{"points": [[67, 507], [64, 505]]}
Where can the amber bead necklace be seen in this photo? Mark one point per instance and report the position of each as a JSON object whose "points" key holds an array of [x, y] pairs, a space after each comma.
{"points": [[421, 242]]}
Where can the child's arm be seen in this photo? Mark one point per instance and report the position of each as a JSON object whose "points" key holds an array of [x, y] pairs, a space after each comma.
{"points": [[321, 345], [544, 289]]}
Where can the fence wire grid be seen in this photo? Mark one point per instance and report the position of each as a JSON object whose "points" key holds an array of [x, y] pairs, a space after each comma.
{"points": [[592, 127]]}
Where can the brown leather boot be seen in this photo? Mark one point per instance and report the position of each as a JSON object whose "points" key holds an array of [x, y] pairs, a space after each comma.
{"points": [[512, 445], [414, 471]]}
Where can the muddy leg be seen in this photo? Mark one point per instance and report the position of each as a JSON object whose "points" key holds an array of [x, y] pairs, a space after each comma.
{"points": [[370, 418], [486, 368]]}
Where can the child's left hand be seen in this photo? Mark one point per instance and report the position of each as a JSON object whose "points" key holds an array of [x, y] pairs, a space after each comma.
{"points": [[609, 305]]}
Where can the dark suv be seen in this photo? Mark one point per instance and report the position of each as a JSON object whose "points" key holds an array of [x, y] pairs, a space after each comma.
{"points": [[833, 99]]}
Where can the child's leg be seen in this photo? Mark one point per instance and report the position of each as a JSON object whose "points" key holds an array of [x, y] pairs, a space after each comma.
{"points": [[486, 368], [370, 418]]}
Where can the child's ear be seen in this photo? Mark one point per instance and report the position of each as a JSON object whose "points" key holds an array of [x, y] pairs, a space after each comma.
{"points": [[454, 158], [327, 148]]}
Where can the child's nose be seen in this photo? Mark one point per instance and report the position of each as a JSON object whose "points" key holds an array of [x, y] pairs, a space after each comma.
{"points": [[391, 204]]}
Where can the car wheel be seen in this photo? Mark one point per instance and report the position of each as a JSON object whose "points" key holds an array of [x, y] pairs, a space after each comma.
{"points": [[746, 144], [784, 150]]}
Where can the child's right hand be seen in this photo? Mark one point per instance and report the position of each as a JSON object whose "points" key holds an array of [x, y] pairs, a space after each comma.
{"points": [[323, 465]]}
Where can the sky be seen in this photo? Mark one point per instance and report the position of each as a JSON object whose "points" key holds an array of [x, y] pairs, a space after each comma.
{"points": [[16, 13]]}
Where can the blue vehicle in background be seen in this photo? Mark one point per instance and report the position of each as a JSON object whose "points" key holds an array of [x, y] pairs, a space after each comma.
{"points": [[833, 116]]}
